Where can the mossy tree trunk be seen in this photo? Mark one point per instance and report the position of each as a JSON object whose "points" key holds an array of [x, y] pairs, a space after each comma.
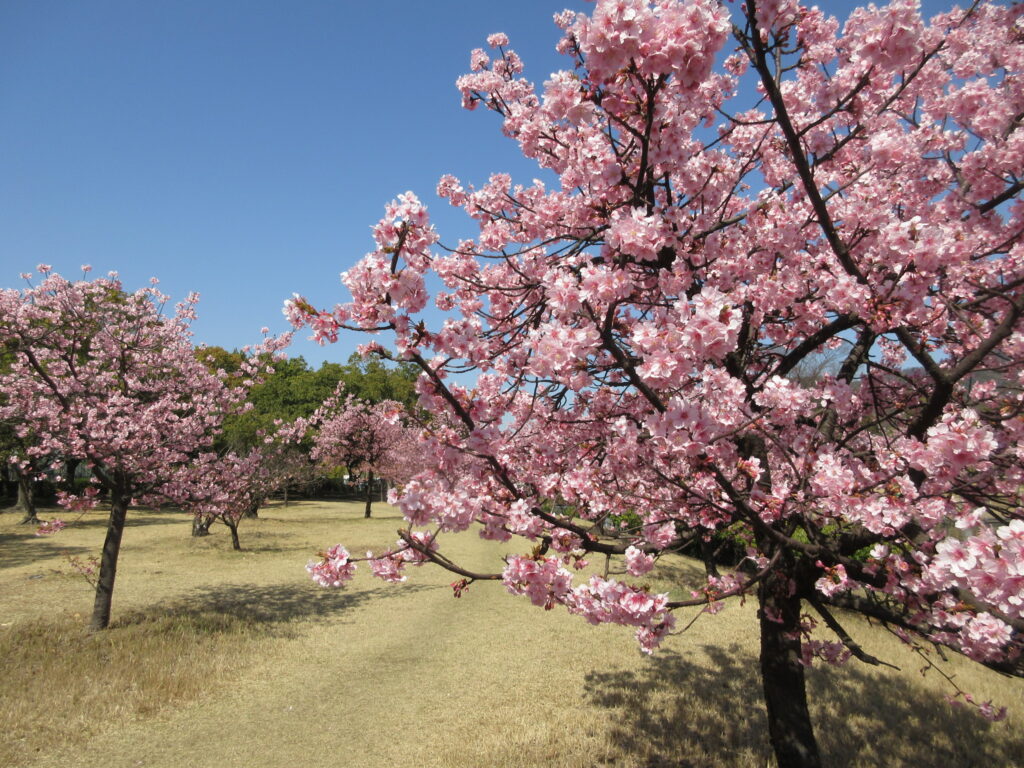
{"points": [[201, 525]]}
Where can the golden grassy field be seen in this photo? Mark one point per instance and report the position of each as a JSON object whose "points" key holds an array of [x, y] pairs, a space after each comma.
{"points": [[226, 659]]}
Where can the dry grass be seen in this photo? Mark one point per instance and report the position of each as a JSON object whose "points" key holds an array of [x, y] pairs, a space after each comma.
{"points": [[234, 659], [65, 686]]}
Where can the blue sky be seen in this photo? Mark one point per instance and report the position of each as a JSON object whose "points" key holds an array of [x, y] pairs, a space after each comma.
{"points": [[242, 148]]}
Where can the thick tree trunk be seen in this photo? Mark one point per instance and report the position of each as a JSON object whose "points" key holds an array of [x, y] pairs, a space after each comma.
{"points": [[108, 562], [369, 492], [27, 499], [286, 494], [707, 554], [233, 527], [70, 470], [201, 525], [253, 511], [782, 675]]}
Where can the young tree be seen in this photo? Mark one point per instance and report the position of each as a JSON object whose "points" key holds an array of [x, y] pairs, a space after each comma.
{"points": [[636, 326], [231, 487], [292, 468], [368, 438], [225, 487], [105, 376]]}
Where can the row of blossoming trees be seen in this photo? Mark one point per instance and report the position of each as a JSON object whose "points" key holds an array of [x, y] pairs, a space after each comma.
{"points": [[98, 375], [635, 327]]}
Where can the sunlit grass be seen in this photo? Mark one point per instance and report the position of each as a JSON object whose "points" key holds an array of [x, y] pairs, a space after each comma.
{"points": [[63, 686], [226, 659]]}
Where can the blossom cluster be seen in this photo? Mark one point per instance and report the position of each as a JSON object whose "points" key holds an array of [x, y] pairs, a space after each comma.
{"points": [[333, 569], [794, 327]]}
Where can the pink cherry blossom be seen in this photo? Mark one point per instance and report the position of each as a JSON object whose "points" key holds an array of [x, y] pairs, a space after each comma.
{"points": [[110, 378], [48, 527], [333, 569], [637, 562], [793, 330]]}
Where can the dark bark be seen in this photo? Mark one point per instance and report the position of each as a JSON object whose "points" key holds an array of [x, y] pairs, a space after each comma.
{"points": [[286, 494], [253, 511], [782, 674], [707, 554], [70, 470], [27, 499], [108, 562], [201, 525], [369, 492], [233, 527]]}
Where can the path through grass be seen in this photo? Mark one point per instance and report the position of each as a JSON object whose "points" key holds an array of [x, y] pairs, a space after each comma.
{"points": [[222, 660]]}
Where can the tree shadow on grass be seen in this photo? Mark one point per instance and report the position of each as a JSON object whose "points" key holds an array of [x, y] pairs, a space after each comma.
{"points": [[141, 517], [18, 549], [256, 541], [709, 711], [98, 516], [20, 546], [315, 511], [271, 607]]}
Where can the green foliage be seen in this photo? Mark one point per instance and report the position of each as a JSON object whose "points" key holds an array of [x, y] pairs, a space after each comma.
{"points": [[292, 391], [219, 359], [295, 390], [627, 521], [372, 380]]}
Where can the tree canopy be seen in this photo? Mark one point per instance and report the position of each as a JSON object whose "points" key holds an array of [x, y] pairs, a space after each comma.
{"points": [[738, 188], [104, 376], [295, 390]]}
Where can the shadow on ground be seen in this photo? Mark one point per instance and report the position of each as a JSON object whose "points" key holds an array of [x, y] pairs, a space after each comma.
{"points": [[17, 549], [696, 713], [272, 606], [257, 541], [98, 517], [19, 544]]}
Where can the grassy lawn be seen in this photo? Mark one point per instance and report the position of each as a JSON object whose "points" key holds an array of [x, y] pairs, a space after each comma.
{"points": [[224, 659]]}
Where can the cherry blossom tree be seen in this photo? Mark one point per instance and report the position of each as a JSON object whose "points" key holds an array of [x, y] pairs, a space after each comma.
{"points": [[225, 487], [634, 326], [231, 486], [291, 468], [15, 438], [105, 376], [368, 438]]}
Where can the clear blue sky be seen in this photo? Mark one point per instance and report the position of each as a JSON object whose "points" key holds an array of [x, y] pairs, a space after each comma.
{"points": [[242, 148]]}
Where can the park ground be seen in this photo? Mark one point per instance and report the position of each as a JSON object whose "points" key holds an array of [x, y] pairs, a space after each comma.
{"points": [[227, 659]]}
